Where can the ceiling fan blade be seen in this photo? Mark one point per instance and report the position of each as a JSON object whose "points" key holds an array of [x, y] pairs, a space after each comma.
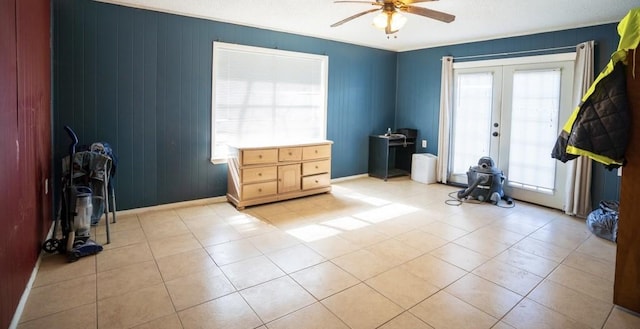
{"points": [[408, 2], [438, 15], [367, 2], [353, 17]]}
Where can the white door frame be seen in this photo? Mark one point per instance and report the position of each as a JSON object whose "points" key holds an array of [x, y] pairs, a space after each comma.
{"points": [[501, 114]]}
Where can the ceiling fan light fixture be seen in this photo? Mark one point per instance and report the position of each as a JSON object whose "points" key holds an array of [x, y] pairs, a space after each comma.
{"points": [[380, 21], [395, 20], [389, 18]]}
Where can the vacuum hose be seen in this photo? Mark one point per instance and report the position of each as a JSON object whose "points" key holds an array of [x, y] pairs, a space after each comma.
{"points": [[71, 234], [464, 193], [74, 141]]}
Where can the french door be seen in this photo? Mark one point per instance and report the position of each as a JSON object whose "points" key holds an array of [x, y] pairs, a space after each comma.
{"points": [[513, 113]]}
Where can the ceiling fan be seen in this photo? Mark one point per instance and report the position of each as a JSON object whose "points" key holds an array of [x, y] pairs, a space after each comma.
{"points": [[390, 18]]}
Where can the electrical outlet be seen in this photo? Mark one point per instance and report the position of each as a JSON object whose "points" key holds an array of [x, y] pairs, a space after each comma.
{"points": [[424, 143]]}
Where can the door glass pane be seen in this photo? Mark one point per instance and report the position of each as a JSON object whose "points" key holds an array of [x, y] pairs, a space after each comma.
{"points": [[471, 119], [534, 127]]}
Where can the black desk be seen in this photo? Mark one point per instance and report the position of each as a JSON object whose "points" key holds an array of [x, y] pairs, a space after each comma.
{"points": [[390, 156]]}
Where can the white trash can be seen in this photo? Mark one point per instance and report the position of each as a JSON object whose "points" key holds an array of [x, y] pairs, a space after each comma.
{"points": [[423, 168]]}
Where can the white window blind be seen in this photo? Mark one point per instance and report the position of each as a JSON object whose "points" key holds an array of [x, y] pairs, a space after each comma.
{"points": [[264, 96], [534, 115], [472, 118]]}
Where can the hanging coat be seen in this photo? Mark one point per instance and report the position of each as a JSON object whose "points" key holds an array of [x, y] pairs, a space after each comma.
{"points": [[599, 126]]}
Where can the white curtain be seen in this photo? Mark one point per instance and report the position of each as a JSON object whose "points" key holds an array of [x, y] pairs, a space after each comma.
{"points": [[446, 111], [578, 195]]}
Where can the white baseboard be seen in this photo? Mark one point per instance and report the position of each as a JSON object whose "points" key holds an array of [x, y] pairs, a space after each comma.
{"points": [[219, 199], [346, 178], [25, 294], [198, 202], [27, 291]]}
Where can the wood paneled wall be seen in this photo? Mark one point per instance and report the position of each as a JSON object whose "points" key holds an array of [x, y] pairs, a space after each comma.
{"points": [[25, 144], [418, 98], [141, 80], [626, 290]]}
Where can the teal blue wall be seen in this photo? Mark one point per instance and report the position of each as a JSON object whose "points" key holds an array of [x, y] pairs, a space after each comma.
{"points": [[418, 99], [141, 80]]}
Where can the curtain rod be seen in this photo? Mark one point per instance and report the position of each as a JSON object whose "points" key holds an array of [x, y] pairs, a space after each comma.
{"points": [[515, 52]]}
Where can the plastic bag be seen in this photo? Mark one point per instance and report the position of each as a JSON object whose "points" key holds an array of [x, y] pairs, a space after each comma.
{"points": [[603, 222]]}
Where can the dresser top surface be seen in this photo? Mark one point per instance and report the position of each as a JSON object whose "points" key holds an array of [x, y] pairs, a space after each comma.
{"points": [[249, 146]]}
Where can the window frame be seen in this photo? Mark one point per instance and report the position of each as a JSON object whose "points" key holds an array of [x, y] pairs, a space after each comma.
{"points": [[322, 61]]}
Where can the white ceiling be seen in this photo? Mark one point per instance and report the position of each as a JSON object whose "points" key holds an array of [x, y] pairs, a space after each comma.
{"points": [[475, 19]]}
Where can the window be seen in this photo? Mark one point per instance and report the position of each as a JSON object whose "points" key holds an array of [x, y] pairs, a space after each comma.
{"points": [[264, 96], [510, 109], [535, 108], [474, 99]]}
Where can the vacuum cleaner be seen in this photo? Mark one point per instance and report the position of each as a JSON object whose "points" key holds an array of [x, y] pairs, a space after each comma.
{"points": [[74, 215], [485, 183]]}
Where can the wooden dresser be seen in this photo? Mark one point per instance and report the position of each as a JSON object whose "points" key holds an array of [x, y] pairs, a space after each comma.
{"points": [[277, 172]]}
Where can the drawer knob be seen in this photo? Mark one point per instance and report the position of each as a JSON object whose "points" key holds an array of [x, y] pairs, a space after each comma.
{"points": [[289, 153], [316, 167], [259, 190], [316, 151], [317, 181], [259, 174], [260, 156]]}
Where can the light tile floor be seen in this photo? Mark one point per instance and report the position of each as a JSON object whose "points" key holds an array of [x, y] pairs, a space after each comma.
{"points": [[371, 254]]}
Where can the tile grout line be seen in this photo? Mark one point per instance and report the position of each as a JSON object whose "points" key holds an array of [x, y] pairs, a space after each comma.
{"points": [[330, 260]]}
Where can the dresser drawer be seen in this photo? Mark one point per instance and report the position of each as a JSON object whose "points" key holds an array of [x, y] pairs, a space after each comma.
{"points": [[316, 152], [260, 174], [257, 190], [315, 181], [250, 157], [316, 167], [290, 154]]}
